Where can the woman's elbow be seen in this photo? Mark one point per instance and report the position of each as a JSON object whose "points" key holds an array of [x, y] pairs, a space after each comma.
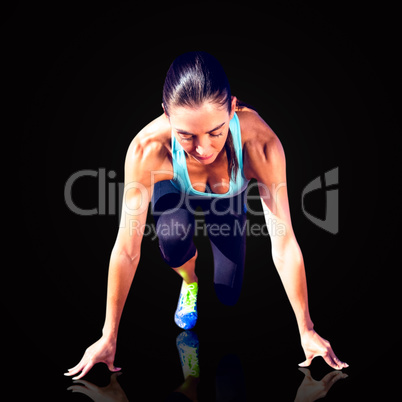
{"points": [[285, 251], [128, 255]]}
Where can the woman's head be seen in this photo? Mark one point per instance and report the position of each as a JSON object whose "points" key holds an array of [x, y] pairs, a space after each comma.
{"points": [[195, 78], [198, 102]]}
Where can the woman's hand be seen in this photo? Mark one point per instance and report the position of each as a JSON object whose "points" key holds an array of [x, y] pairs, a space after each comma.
{"points": [[102, 351], [313, 345]]}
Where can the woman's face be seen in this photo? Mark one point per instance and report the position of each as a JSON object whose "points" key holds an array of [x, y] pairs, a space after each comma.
{"points": [[202, 131]]}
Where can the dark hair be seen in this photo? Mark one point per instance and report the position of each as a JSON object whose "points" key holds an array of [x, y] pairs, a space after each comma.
{"points": [[196, 77]]}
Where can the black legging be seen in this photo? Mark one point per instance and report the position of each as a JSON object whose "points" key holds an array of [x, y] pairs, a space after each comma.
{"points": [[225, 220]]}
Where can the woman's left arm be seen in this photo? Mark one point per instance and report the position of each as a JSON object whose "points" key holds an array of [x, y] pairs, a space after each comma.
{"points": [[264, 160]]}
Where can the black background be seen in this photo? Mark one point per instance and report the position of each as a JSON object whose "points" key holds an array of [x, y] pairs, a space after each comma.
{"points": [[85, 79]]}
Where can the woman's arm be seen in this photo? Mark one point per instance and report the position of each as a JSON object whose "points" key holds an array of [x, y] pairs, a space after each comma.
{"points": [[125, 255], [265, 161], [124, 258], [286, 253]]}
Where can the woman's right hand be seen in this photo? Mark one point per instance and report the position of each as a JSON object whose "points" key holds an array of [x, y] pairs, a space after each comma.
{"points": [[102, 351]]}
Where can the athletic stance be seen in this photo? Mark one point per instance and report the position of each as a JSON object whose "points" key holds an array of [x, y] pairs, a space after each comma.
{"points": [[201, 152]]}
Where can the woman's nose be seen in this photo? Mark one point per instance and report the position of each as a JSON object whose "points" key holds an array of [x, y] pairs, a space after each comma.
{"points": [[202, 149]]}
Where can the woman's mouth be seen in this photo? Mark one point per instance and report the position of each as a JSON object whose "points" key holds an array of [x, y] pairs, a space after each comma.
{"points": [[204, 158]]}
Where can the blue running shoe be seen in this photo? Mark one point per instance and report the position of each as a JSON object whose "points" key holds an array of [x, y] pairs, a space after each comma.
{"points": [[186, 312], [188, 345]]}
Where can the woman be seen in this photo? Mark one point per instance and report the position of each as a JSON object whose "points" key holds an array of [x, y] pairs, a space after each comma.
{"points": [[202, 151]]}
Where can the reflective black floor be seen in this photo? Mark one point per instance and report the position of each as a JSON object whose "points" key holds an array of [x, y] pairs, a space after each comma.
{"points": [[190, 370]]}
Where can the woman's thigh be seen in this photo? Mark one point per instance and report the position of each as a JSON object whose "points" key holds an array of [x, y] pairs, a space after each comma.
{"points": [[174, 225]]}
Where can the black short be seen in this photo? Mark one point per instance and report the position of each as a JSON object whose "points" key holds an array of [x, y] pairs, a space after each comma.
{"points": [[225, 221]]}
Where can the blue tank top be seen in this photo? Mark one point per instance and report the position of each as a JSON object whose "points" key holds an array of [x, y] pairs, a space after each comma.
{"points": [[181, 178]]}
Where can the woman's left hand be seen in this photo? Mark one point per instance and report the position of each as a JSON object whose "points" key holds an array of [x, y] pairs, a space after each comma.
{"points": [[313, 345]]}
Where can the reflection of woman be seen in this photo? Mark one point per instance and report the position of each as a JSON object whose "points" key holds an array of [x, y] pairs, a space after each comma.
{"points": [[202, 151]]}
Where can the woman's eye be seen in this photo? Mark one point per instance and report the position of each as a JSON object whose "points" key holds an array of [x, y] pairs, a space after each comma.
{"points": [[186, 138], [190, 138]]}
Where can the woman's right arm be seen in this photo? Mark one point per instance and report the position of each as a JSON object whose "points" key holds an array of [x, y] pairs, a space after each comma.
{"points": [[124, 258]]}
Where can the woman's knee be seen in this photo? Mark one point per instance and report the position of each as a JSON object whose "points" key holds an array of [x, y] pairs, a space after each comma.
{"points": [[175, 239]]}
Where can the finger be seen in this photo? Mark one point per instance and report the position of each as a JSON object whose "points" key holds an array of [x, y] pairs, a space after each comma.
{"points": [[85, 370], [306, 363], [328, 359], [340, 363], [73, 368], [333, 361], [76, 369], [112, 368], [73, 371], [337, 361], [337, 364], [78, 365]]}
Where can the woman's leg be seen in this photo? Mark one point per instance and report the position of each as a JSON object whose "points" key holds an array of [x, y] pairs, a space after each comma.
{"points": [[187, 270], [175, 230], [227, 233], [175, 227]]}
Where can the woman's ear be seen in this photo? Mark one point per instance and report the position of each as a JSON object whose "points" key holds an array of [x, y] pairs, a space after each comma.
{"points": [[233, 107], [164, 111]]}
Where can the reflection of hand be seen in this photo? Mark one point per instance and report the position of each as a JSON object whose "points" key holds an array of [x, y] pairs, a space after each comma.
{"points": [[313, 345], [310, 390], [112, 393]]}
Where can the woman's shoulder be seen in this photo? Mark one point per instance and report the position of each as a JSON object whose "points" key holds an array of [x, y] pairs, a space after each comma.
{"points": [[254, 130], [150, 149], [155, 134], [153, 140], [261, 146]]}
